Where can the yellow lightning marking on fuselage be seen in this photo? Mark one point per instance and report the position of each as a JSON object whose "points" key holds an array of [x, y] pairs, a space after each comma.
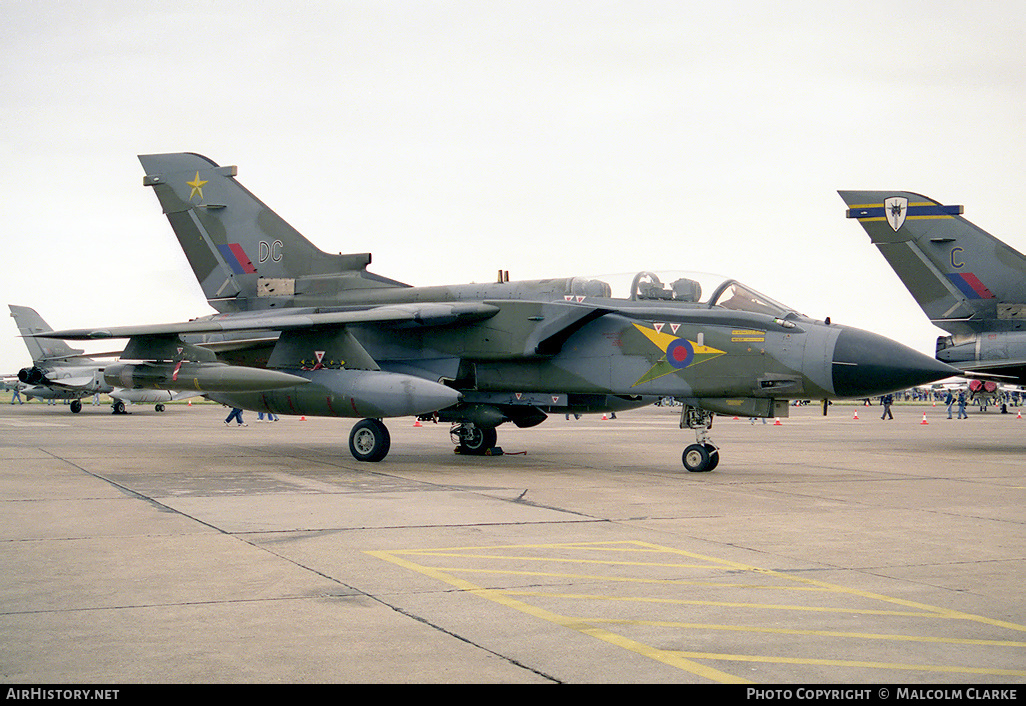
{"points": [[662, 340], [663, 366]]}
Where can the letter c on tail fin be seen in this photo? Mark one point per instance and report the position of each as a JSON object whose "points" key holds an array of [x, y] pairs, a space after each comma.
{"points": [[956, 271]]}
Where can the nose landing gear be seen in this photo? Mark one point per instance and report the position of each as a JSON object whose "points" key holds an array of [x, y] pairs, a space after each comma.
{"points": [[701, 456]]}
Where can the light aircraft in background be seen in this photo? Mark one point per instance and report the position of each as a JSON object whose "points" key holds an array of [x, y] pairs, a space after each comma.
{"points": [[967, 282], [60, 372], [320, 335]]}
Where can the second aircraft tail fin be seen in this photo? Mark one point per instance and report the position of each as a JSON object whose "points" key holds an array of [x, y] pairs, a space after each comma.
{"points": [[244, 255], [963, 278], [41, 349]]}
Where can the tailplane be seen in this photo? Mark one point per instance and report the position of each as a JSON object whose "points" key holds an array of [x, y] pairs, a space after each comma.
{"points": [[965, 279], [41, 349], [244, 255]]}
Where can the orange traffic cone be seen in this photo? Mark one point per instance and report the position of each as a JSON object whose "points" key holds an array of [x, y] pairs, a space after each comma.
{"points": [[777, 423], [924, 420], [605, 417], [1019, 415], [417, 423], [856, 414]]}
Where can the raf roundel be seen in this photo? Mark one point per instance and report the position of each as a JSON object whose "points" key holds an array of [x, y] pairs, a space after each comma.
{"points": [[680, 354]]}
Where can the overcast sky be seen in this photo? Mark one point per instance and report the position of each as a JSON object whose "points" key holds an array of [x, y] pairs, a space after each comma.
{"points": [[452, 139]]}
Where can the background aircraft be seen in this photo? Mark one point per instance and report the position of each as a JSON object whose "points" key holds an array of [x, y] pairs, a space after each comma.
{"points": [[476, 355], [967, 282], [59, 372]]}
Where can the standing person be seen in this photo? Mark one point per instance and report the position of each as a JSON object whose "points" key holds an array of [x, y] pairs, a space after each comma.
{"points": [[15, 395], [236, 415], [961, 406], [887, 401], [949, 401]]}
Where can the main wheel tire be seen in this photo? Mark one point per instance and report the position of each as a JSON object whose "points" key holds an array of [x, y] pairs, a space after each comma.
{"points": [[369, 440], [714, 456], [76, 406], [696, 458], [478, 441]]}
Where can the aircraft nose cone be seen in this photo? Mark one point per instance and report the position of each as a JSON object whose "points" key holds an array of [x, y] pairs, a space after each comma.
{"points": [[865, 364]]}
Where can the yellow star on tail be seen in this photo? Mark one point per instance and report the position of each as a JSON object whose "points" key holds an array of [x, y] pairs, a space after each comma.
{"points": [[197, 187]]}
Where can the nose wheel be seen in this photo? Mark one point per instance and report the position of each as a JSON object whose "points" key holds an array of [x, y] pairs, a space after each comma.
{"points": [[701, 456]]}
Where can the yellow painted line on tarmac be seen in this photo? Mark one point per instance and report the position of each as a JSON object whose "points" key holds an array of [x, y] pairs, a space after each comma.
{"points": [[724, 604], [622, 545], [668, 657], [681, 659], [556, 560], [859, 664], [818, 633], [632, 579], [933, 610]]}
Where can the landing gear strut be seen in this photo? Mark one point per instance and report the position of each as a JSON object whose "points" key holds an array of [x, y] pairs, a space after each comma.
{"points": [[701, 456], [472, 439]]}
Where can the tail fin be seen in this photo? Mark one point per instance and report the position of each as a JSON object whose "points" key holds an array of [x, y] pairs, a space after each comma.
{"points": [[965, 279], [41, 349], [245, 255]]}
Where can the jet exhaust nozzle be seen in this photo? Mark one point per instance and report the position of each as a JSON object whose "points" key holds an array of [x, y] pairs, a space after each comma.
{"points": [[30, 376]]}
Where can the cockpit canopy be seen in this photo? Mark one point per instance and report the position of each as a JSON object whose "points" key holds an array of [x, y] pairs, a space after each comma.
{"points": [[682, 287]]}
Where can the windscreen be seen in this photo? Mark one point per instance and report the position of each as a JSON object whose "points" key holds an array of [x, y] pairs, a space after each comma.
{"points": [[700, 289]]}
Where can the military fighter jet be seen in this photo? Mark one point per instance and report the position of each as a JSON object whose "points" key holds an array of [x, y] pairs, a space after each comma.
{"points": [[967, 281], [475, 355], [59, 372]]}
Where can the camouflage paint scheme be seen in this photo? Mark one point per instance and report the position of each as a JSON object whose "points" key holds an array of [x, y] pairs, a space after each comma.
{"points": [[966, 281], [480, 355]]}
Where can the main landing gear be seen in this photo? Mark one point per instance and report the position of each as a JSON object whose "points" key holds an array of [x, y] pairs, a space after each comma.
{"points": [[701, 456], [369, 440], [472, 440]]}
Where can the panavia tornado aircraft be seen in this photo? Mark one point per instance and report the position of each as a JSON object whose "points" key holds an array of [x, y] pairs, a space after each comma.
{"points": [[967, 281], [307, 332], [59, 372]]}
